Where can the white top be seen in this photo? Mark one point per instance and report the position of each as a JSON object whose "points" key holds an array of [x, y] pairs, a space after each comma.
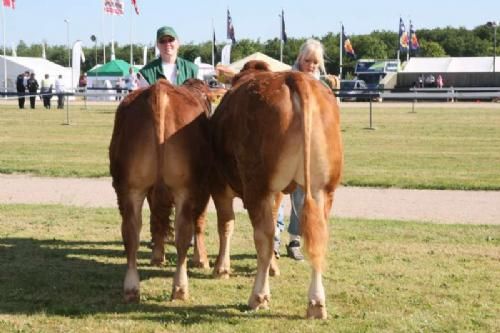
{"points": [[59, 85], [170, 71], [132, 82]]}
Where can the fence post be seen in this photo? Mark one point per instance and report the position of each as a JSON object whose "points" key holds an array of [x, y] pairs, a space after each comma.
{"points": [[371, 122]]}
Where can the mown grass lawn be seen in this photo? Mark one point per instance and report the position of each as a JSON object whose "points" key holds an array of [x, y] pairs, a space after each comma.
{"points": [[62, 270], [435, 148]]}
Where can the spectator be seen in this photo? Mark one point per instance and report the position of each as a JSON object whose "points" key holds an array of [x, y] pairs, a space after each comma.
{"points": [[439, 81], [46, 91], [21, 90], [132, 83], [59, 85], [33, 89]]}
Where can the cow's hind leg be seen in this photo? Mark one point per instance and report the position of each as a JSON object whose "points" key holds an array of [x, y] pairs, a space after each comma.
{"points": [[184, 228], [160, 203], [315, 233], [200, 257], [130, 203], [263, 233], [225, 227]]}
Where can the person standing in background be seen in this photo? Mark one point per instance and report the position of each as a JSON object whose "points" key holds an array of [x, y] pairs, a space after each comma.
{"points": [[21, 90], [32, 89], [46, 91], [59, 86]]}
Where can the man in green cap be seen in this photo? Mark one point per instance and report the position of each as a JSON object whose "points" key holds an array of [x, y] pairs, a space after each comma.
{"points": [[168, 66]]}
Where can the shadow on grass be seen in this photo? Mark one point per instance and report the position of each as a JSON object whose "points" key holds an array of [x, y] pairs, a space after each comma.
{"points": [[78, 278]]}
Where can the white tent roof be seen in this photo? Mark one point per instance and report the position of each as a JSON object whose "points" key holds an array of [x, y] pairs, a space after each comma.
{"points": [[273, 63], [449, 65], [39, 66]]}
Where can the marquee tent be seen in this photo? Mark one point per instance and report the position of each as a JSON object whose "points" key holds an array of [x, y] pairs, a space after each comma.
{"points": [[273, 63], [113, 68], [39, 66]]}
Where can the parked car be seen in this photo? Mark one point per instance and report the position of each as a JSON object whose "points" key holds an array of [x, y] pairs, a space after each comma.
{"points": [[356, 90]]}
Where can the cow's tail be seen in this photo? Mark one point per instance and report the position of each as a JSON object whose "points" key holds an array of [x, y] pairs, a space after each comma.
{"points": [[159, 106], [313, 223]]}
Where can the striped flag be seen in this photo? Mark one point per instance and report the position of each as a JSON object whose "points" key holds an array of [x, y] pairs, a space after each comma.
{"points": [[119, 7], [346, 42], [414, 44], [9, 3], [230, 28], [283, 36], [134, 2], [114, 7], [403, 36]]}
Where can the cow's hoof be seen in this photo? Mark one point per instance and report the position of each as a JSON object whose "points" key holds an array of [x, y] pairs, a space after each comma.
{"points": [[179, 293], [157, 261], [259, 302], [316, 310], [201, 264], [274, 270], [221, 273], [132, 296]]}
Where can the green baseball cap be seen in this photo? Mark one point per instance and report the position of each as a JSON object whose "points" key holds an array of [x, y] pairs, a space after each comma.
{"points": [[165, 31]]}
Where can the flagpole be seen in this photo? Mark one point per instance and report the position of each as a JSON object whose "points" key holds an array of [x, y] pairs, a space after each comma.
{"points": [[281, 35], [409, 43], [113, 37], [341, 49], [213, 43], [103, 39], [131, 29], [4, 59]]}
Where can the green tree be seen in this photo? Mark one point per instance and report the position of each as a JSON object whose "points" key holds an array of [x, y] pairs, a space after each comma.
{"points": [[244, 48], [431, 49]]}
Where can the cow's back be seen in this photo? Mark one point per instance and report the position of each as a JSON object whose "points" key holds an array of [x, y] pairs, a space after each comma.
{"points": [[258, 127]]}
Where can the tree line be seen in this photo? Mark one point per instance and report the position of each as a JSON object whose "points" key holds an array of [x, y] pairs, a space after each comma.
{"points": [[438, 42]]}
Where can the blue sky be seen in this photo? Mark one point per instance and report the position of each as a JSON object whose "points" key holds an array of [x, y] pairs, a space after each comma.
{"points": [[35, 21]]}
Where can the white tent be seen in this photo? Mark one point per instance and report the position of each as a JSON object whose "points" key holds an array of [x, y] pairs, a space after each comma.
{"points": [[275, 65], [449, 65], [39, 66]]}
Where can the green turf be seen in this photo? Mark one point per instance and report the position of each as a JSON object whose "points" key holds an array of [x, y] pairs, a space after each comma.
{"points": [[435, 148], [63, 268]]}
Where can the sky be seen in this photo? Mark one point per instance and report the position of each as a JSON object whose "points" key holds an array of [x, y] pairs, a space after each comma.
{"points": [[34, 21]]}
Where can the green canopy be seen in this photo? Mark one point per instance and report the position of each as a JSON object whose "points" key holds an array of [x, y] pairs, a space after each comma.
{"points": [[116, 67]]}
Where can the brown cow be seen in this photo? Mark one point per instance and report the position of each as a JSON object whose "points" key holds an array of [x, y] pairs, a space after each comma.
{"points": [[271, 132], [160, 148]]}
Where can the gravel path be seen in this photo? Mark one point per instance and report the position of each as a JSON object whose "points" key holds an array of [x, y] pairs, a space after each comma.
{"points": [[467, 207]]}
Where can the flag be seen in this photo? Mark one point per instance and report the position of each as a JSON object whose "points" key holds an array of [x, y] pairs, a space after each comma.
{"points": [[403, 36], [114, 7], [283, 32], [346, 42], [119, 7], [213, 42], [9, 3], [44, 56], [414, 44], [230, 28], [134, 3], [226, 55], [109, 7]]}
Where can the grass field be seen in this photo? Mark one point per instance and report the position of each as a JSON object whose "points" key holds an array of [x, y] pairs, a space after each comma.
{"points": [[437, 148], [63, 267]]}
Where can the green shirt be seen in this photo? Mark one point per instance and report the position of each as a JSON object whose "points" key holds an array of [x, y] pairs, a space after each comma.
{"points": [[153, 71]]}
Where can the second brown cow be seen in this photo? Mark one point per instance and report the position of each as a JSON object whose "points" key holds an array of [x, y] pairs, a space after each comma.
{"points": [[272, 132]]}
